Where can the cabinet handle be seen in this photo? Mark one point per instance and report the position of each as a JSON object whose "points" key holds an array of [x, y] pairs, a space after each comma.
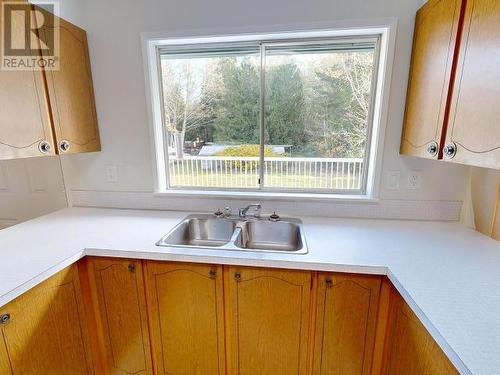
{"points": [[4, 318], [237, 276], [329, 283], [212, 274], [450, 150], [131, 267], [64, 146], [44, 147], [432, 149]]}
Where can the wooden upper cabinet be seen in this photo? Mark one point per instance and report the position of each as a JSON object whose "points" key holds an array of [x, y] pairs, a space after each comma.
{"points": [[117, 290], [475, 112], [268, 321], [186, 314], [346, 317], [46, 332], [47, 112], [71, 92], [435, 36], [24, 116], [410, 349]]}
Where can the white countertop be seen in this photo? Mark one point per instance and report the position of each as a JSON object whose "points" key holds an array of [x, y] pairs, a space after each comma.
{"points": [[448, 274]]}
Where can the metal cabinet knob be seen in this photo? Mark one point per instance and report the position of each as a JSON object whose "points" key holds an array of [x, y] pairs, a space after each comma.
{"points": [[44, 147], [237, 276], [329, 283], [4, 318], [64, 146], [432, 149], [450, 150], [212, 274], [131, 267]]}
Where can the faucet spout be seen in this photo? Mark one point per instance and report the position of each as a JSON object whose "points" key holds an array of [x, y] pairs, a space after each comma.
{"points": [[243, 211]]}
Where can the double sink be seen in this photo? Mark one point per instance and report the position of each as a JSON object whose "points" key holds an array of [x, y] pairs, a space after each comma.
{"points": [[205, 231]]}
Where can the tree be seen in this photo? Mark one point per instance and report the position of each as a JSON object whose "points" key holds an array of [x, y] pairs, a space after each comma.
{"points": [[237, 105], [284, 118], [188, 102]]}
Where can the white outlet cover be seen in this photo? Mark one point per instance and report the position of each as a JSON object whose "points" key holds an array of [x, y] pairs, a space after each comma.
{"points": [[413, 181], [111, 173]]}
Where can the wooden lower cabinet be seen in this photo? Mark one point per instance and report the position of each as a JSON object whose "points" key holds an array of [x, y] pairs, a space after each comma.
{"points": [[122, 317], [346, 314], [186, 318], [410, 349], [268, 314], [46, 332], [117, 293]]}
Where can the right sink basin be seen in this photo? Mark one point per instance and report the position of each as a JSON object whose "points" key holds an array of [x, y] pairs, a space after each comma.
{"points": [[278, 236]]}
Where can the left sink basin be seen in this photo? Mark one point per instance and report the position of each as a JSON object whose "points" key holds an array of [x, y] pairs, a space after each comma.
{"points": [[200, 231]]}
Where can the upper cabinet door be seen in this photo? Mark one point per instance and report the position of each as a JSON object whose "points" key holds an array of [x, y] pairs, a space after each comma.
{"points": [[71, 92], [473, 135], [25, 128], [268, 321], [427, 100]]}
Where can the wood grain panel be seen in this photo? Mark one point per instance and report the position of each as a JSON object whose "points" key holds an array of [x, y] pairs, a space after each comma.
{"points": [[475, 111], [47, 333], [411, 350], [24, 116], [71, 91], [346, 319], [268, 320], [119, 294], [185, 304], [434, 43]]}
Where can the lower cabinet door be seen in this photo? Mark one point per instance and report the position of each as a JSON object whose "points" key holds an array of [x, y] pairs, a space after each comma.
{"points": [[411, 350], [345, 323], [43, 331], [117, 289], [268, 321], [186, 318]]}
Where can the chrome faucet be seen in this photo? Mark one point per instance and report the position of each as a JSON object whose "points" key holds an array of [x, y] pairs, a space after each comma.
{"points": [[243, 211]]}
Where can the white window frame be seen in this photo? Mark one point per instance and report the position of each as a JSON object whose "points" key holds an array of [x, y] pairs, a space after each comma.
{"points": [[151, 44]]}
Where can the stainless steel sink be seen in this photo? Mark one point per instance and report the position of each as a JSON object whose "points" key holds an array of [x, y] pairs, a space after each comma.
{"points": [[200, 231], [205, 231]]}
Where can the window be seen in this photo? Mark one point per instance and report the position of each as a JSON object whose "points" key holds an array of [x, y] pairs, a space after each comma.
{"points": [[283, 115]]}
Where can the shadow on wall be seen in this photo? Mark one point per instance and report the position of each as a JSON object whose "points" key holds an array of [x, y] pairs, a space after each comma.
{"points": [[481, 209], [30, 188]]}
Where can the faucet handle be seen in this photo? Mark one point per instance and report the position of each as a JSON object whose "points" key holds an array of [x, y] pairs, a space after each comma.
{"points": [[256, 213], [227, 211]]}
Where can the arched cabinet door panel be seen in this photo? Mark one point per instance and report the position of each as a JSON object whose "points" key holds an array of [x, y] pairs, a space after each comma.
{"points": [[46, 332], [71, 92], [24, 115], [118, 292], [345, 323], [268, 320], [474, 129], [185, 304], [434, 44]]}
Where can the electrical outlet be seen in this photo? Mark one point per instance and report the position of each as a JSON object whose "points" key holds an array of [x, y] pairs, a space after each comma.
{"points": [[392, 182], [111, 172], [414, 180]]}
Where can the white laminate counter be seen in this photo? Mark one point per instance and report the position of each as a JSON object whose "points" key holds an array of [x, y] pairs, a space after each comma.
{"points": [[448, 274]]}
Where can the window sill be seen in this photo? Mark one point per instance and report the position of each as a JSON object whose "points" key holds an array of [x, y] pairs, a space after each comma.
{"points": [[266, 195]]}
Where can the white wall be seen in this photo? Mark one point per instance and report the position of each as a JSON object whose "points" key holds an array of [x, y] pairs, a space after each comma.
{"points": [[114, 28]]}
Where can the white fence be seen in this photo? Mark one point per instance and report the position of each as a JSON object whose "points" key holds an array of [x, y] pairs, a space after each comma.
{"points": [[243, 172]]}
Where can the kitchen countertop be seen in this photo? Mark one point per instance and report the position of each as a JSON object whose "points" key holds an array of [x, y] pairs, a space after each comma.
{"points": [[447, 273]]}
